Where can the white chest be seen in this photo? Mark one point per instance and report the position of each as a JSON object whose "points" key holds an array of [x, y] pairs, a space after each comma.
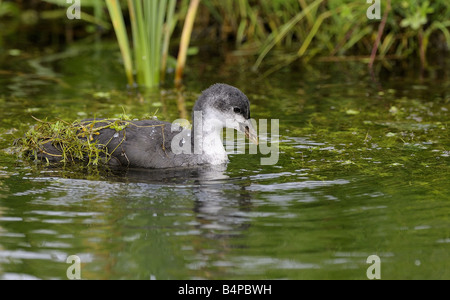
{"points": [[213, 150]]}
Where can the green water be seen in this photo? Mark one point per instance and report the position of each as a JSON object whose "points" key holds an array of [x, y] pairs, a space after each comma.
{"points": [[363, 170]]}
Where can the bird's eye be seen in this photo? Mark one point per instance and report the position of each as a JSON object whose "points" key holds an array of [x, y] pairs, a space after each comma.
{"points": [[237, 110]]}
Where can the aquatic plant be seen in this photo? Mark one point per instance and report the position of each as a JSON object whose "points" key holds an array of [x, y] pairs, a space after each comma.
{"points": [[289, 30], [272, 33], [72, 141], [150, 25], [185, 38]]}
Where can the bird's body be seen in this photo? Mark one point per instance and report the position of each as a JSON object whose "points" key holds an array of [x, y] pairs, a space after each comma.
{"points": [[154, 145], [158, 144]]}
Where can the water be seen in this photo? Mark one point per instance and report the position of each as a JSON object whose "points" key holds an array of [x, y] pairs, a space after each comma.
{"points": [[362, 171]]}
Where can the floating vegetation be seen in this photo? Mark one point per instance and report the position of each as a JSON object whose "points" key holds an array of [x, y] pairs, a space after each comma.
{"points": [[65, 142], [73, 141], [375, 138]]}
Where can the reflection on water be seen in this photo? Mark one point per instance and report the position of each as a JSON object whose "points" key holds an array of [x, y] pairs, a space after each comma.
{"points": [[213, 222], [143, 223], [135, 209], [360, 172]]}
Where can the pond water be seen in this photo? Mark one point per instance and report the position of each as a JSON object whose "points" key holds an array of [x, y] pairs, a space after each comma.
{"points": [[363, 170]]}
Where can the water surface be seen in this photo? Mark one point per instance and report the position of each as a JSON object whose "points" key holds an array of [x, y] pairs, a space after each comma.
{"points": [[363, 169]]}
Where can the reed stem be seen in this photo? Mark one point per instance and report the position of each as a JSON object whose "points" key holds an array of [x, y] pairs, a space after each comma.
{"points": [[185, 39], [122, 37]]}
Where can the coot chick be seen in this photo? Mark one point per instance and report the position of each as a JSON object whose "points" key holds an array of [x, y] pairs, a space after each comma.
{"points": [[157, 144]]}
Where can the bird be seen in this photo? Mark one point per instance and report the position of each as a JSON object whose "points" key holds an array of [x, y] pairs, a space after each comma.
{"points": [[155, 144]]}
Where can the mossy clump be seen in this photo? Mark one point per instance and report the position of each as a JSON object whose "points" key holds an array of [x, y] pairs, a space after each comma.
{"points": [[73, 141]]}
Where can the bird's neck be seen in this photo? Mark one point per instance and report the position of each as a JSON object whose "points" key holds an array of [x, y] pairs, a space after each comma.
{"points": [[206, 138]]}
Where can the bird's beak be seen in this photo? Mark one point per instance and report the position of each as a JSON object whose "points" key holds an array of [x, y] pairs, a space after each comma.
{"points": [[249, 131]]}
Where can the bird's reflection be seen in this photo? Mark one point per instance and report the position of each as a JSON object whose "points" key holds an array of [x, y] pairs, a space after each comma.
{"points": [[140, 221], [198, 174], [219, 201], [220, 213]]}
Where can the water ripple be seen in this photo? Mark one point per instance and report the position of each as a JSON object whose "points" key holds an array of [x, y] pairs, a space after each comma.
{"points": [[286, 186]]}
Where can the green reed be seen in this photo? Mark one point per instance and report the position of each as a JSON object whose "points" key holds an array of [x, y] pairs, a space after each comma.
{"points": [[150, 23], [279, 32]]}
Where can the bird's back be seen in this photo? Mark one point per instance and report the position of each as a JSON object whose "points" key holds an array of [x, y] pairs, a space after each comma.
{"points": [[140, 144]]}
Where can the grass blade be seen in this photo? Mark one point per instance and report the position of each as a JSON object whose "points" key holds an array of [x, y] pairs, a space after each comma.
{"points": [[284, 30]]}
